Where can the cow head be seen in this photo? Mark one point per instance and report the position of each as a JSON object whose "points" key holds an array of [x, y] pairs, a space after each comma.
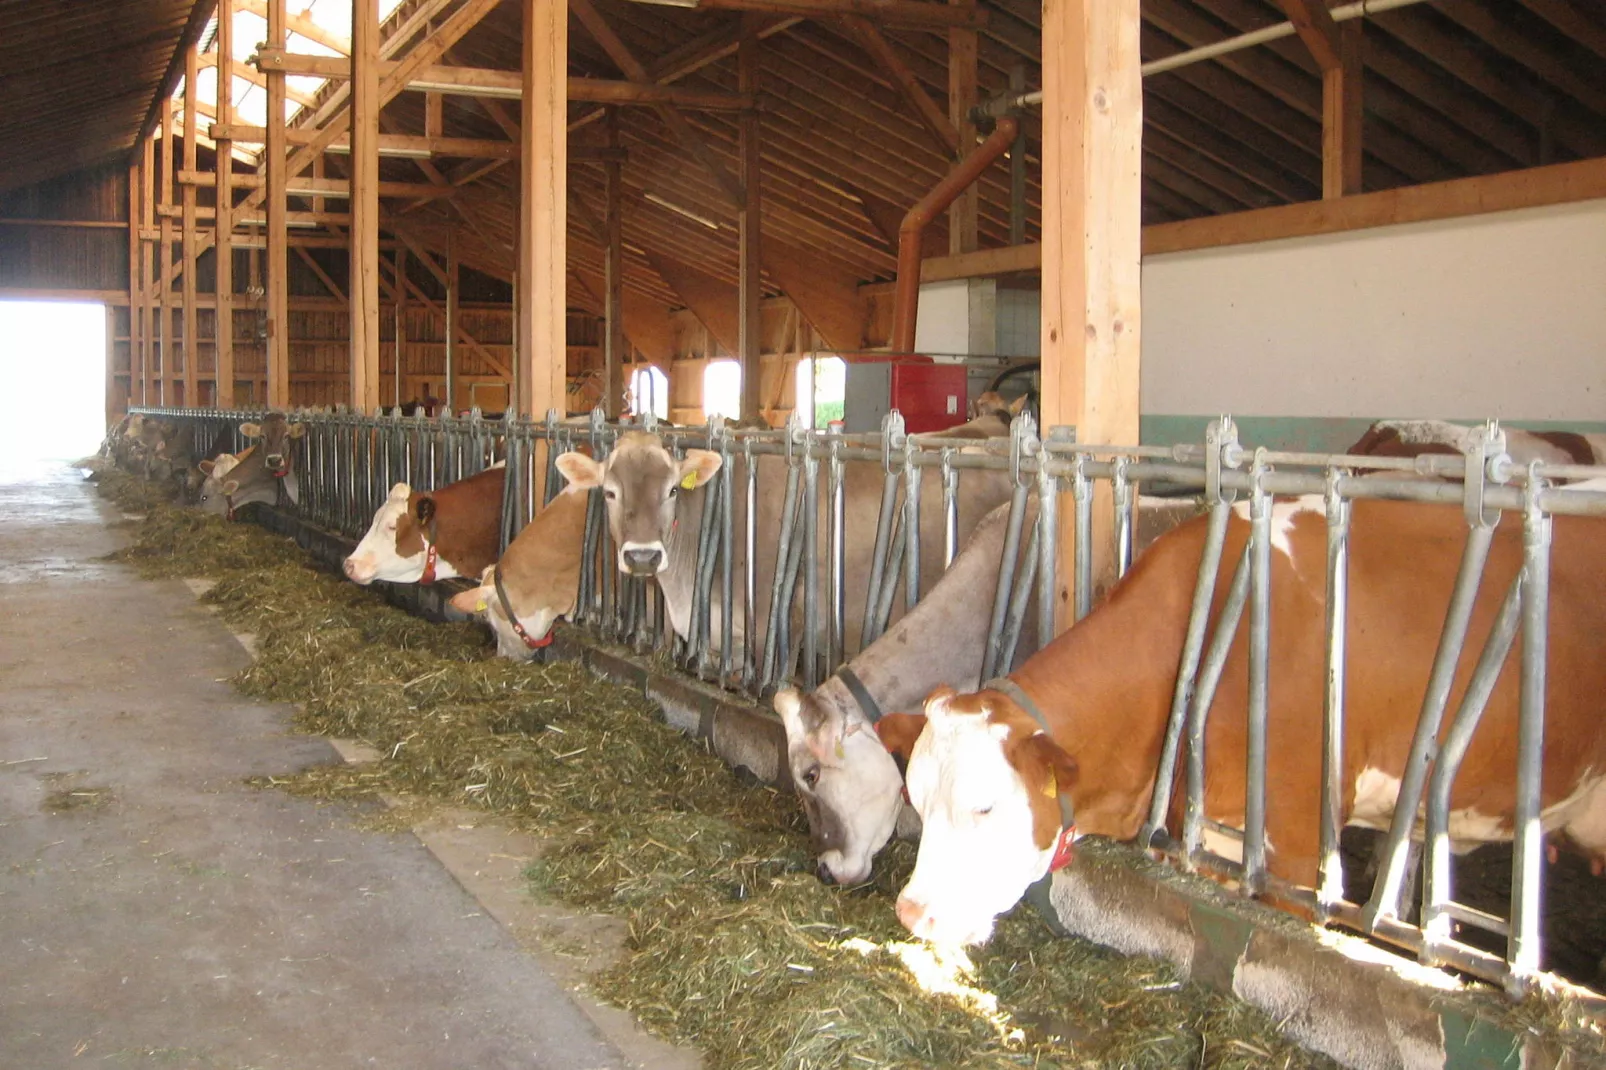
{"points": [[849, 784], [216, 486], [642, 484], [986, 781], [395, 548], [278, 437]]}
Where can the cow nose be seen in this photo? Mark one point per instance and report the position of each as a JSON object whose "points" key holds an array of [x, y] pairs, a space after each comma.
{"points": [[643, 562], [823, 872], [275, 460], [911, 913]]}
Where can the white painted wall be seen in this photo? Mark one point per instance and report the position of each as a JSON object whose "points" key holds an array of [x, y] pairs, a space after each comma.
{"points": [[942, 322], [1501, 315]]}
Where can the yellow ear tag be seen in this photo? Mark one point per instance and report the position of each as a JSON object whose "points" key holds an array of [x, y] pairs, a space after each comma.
{"points": [[1051, 789], [479, 607], [689, 482], [840, 752]]}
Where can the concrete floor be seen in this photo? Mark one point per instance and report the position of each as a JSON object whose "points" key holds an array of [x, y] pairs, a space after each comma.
{"points": [[156, 911]]}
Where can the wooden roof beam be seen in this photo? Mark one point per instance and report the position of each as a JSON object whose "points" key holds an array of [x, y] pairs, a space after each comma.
{"points": [[633, 69], [915, 13], [301, 25], [426, 52], [507, 85], [880, 51], [1315, 26]]}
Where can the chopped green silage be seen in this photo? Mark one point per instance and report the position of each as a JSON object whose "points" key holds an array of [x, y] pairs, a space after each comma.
{"points": [[733, 946]]}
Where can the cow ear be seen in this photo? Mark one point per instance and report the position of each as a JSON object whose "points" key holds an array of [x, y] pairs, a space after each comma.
{"points": [[789, 704], [1017, 406], [1040, 751], [231, 487], [471, 601], [937, 702], [400, 492], [205, 466], [424, 509], [296, 430], [581, 471], [250, 430], [699, 466]]}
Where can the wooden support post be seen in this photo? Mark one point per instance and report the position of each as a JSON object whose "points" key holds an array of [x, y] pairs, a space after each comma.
{"points": [[451, 321], [223, 251], [541, 286], [164, 262], [136, 292], [1092, 207], [114, 411], [192, 354], [432, 115], [613, 298], [149, 266], [963, 216], [750, 289], [401, 323], [278, 251], [364, 284], [1342, 117]]}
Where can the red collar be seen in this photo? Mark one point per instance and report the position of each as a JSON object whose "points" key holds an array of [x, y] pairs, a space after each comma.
{"points": [[431, 555], [1064, 849]]}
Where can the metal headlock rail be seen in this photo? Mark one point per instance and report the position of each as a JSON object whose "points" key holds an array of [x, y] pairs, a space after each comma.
{"points": [[348, 462]]}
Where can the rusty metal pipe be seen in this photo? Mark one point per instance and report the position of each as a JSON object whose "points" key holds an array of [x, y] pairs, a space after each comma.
{"points": [[906, 298]]}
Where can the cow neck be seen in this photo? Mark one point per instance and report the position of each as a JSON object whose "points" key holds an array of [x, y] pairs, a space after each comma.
{"points": [[1064, 844], [1104, 686], [677, 580], [512, 617], [860, 694], [431, 555]]}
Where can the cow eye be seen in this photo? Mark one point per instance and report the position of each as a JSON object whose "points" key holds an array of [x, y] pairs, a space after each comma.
{"points": [[674, 489], [812, 777], [609, 494], [983, 811]]}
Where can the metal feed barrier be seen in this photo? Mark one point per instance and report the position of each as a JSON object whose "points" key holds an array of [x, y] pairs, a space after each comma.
{"points": [[348, 462]]}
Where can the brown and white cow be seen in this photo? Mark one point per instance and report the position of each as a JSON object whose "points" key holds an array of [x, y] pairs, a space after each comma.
{"points": [[264, 472], [986, 779], [654, 507], [422, 536], [1413, 438], [538, 578], [846, 774]]}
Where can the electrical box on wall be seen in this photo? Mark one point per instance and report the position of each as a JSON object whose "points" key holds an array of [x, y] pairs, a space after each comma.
{"points": [[931, 397]]}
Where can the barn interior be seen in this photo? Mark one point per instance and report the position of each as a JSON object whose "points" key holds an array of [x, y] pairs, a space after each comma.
{"points": [[1135, 215]]}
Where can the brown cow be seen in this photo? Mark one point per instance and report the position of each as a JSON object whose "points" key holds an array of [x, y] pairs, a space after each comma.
{"points": [[263, 474], [538, 578], [1413, 438], [985, 778], [424, 536]]}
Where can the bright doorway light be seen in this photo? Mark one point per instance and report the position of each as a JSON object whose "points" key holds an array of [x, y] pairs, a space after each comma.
{"points": [[722, 389], [821, 390], [53, 365], [649, 392]]}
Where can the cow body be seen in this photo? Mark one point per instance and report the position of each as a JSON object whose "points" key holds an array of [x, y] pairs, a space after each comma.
{"points": [[433, 535], [264, 473], [984, 778], [540, 577], [847, 780], [1414, 438]]}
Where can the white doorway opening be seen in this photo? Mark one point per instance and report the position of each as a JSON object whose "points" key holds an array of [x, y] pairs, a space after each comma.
{"points": [[53, 365]]}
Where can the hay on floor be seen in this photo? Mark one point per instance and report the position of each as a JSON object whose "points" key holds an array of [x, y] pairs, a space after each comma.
{"points": [[733, 946]]}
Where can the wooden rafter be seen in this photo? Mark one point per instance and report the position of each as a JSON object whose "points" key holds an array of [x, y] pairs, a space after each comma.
{"points": [[881, 52], [633, 69]]}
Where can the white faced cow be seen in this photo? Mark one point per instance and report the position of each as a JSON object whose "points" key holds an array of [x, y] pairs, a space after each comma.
{"points": [[422, 536], [1085, 717]]}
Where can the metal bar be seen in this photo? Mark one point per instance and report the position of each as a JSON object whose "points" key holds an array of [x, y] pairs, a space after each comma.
{"points": [[1524, 945], [1386, 892], [911, 531], [1330, 885], [727, 551], [1260, 507], [811, 574], [878, 558], [1121, 500], [1437, 889], [1007, 563], [950, 509], [1203, 696], [783, 545], [1193, 644], [838, 533], [1082, 495], [1018, 603]]}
